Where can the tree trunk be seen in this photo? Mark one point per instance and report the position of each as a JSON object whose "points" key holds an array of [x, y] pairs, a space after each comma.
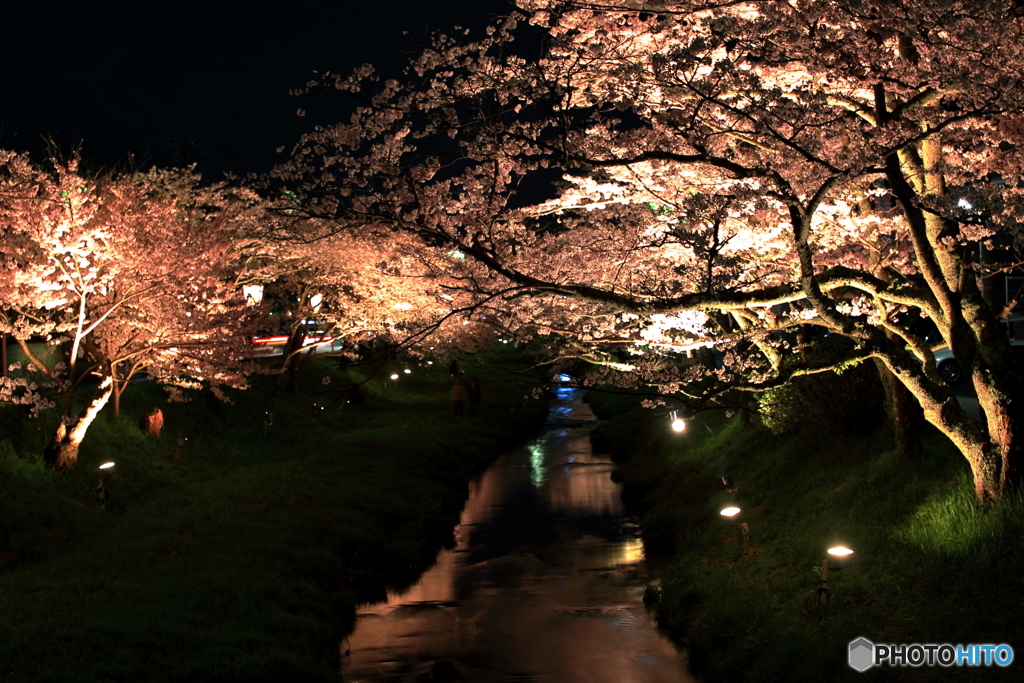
{"points": [[288, 360], [294, 366], [904, 413], [985, 467], [62, 452], [116, 389]]}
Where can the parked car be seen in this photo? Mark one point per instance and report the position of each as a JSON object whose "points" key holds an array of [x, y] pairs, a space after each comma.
{"points": [[950, 370], [947, 365]]}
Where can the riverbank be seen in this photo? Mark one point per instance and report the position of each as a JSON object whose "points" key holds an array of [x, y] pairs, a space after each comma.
{"points": [[240, 554], [929, 565]]}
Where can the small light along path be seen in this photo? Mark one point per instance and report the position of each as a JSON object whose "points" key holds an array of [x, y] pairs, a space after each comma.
{"points": [[544, 584]]}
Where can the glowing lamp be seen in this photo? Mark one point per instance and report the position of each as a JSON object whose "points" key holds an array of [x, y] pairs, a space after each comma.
{"points": [[395, 376], [407, 371], [678, 425], [730, 512], [106, 474], [839, 557]]}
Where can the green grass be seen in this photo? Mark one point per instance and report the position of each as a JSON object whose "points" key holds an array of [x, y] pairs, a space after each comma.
{"points": [[930, 564], [242, 559]]}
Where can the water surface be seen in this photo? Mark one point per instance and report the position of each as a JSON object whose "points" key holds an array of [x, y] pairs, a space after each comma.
{"points": [[544, 584]]}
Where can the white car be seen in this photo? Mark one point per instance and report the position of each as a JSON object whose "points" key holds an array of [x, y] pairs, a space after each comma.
{"points": [[950, 369], [947, 365]]}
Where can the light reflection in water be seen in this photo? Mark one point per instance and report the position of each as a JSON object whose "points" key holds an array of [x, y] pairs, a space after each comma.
{"points": [[538, 473], [544, 584]]}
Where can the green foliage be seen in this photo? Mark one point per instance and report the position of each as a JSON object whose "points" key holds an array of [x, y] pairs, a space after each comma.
{"points": [[845, 402], [243, 557]]}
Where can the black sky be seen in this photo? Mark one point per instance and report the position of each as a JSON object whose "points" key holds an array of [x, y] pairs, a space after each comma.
{"points": [[138, 78]]}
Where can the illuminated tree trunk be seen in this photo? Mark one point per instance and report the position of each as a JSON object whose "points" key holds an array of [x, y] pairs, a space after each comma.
{"points": [[62, 452], [990, 447], [116, 389]]}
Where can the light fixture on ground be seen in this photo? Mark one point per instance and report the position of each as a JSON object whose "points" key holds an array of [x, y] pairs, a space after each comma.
{"points": [[678, 424], [394, 376], [106, 472], [407, 371], [839, 557], [733, 516]]}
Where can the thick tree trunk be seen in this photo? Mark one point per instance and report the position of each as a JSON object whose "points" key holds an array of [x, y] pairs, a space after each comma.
{"points": [[1003, 414], [985, 466], [982, 447], [982, 454], [62, 452]]}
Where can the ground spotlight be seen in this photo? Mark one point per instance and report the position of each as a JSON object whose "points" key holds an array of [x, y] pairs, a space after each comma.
{"points": [[839, 557]]}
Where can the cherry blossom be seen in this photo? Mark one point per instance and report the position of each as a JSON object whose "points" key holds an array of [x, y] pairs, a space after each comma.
{"points": [[123, 274], [765, 164]]}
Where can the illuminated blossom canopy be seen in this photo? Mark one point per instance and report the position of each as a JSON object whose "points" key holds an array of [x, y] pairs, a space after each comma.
{"points": [[648, 176], [122, 274]]}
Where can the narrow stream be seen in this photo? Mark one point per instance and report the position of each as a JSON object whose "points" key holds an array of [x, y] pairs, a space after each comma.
{"points": [[544, 584]]}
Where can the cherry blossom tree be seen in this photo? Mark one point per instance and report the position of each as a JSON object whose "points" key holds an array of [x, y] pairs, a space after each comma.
{"points": [[728, 171], [367, 287], [123, 274]]}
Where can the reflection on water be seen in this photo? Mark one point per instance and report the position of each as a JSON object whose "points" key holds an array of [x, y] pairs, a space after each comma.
{"points": [[543, 585]]}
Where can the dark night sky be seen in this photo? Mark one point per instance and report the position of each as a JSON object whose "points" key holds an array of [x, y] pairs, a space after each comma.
{"points": [[137, 77]]}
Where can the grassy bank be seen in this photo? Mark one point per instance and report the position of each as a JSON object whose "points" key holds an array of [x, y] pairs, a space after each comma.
{"points": [[930, 566], [241, 558]]}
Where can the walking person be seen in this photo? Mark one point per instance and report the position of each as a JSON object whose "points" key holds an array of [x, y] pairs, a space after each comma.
{"points": [[458, 397]]}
